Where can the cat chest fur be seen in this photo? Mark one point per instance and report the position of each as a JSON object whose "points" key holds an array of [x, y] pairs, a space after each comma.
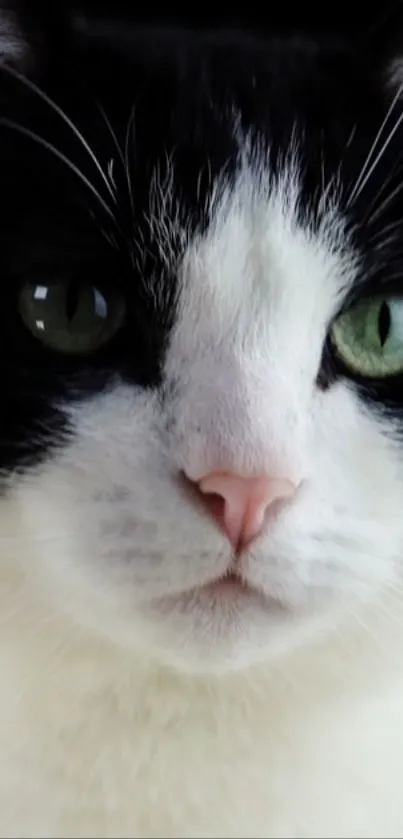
{"points": [[121, 750]]}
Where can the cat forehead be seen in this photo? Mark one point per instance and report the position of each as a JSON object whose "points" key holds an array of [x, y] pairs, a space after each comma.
{"points": [[263, 274]]}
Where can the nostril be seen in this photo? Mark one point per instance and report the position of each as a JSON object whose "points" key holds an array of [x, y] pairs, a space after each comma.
{"points": [[215, 505], [241, 505], [211, 503]]}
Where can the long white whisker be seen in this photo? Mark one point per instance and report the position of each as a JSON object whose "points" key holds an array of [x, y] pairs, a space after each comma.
{"points": [[351, 136], [123, 156], [7, 123], [383, 188], [40, 93], [379, 156], [126, 157], [382, 207], [112, 132], [364, 174]]}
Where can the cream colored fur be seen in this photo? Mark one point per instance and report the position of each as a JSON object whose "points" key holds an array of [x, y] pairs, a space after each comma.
{"points": [[98, 742]]}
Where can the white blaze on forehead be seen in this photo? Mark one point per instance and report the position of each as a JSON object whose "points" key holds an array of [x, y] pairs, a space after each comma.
{"points": [[261, 277], [257, 295]]}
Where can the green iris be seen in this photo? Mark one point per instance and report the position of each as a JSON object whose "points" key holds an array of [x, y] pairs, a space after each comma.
{"points": [[368, 338], [71, 317]]}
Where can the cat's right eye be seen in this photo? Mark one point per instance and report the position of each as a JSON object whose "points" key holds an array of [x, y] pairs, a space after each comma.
{"points": [[71, 317]]}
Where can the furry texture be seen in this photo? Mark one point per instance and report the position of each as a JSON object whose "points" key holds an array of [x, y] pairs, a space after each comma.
{"points": [[238, 193]]}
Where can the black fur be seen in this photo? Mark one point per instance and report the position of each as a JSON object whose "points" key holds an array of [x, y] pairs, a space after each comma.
{"points": [[185, 82]]}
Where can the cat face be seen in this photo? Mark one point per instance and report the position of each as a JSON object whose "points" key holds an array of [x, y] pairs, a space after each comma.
{"points": [[201, 240]]}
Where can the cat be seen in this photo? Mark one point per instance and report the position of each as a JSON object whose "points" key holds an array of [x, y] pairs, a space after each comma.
{"points": [[201, 507]]}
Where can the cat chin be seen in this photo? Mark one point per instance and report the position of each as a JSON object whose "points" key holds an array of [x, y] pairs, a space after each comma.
{"points": [[218, 629]]}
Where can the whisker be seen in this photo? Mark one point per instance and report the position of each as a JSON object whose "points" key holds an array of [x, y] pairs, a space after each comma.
{"points": [[111, 131], [7, 123], [322, 171], [351, 137], [111, 166], [126, 157], [42, 95], [364, 175], [123, 156], [398, 167], [385, 204], [326, 194]]}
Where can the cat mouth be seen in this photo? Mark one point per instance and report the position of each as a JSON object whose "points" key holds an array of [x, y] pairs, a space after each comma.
{"points": [[229, 587], [230, 581], [227, 591]]}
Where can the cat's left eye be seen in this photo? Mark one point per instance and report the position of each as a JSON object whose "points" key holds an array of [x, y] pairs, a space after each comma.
{"points": [[71, 317], [368, 338]]}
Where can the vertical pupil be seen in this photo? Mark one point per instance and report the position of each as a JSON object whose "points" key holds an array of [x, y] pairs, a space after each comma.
{"points": [[72, 300], [383, 323]]}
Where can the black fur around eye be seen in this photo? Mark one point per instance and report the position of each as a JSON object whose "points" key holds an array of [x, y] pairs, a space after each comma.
{"points": [[72, 317]]}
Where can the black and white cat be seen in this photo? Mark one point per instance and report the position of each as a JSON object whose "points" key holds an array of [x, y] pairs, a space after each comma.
{"points": [[201, 358]]}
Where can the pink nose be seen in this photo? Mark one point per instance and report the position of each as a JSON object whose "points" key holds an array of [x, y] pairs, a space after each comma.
{"points": [[242, 505]]}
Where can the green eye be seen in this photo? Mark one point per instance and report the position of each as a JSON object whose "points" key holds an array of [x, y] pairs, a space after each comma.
{"points": [[71, 317], [368, 338]]}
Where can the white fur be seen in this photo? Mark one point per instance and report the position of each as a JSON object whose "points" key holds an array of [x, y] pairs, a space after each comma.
{"points": [[132, 703]]}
